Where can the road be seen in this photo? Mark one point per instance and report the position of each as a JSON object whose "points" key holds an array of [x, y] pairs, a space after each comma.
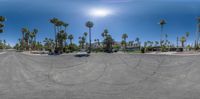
{"points": [[100, 76]]}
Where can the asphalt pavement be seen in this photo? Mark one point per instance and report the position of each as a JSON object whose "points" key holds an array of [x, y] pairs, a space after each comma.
{"points": [[99, 76]]}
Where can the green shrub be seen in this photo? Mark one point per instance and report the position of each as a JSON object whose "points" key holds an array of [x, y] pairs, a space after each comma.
{"points": [[142, 50]]}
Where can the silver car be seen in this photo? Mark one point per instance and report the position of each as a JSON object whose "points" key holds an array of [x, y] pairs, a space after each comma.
{"points": [[82, 53]]}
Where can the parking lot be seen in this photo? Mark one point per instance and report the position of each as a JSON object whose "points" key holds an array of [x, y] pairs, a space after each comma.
{"points": [[99, 76]]}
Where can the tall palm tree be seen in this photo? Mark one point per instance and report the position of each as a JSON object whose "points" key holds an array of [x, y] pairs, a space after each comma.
{"points": [[32, 35], [2, 19], [124, 37], [161, 23], [54, 22], [187, 34], [89, 24], [65, 26], [59, 25], [65, 38], [35, 31], [71, 37], [27, 36]]}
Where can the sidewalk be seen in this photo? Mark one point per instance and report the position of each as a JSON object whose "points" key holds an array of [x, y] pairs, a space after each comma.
{"points": [[175, 53]]}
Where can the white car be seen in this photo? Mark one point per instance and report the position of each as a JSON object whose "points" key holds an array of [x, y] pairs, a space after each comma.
{"points": [[82, 53]]}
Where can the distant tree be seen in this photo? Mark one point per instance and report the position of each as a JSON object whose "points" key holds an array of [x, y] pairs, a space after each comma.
{"points": [[71, 37], [156, 43], [187, 34], [182, 40], [85, 38], [124, 37], [24, 31], [108, 41], [48, 44]]}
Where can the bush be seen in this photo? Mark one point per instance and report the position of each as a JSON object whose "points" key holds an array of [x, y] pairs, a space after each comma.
{"points": [[142, 50]]}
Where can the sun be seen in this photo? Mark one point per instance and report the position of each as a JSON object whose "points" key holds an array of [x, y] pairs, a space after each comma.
{"points": [[100, 12]]}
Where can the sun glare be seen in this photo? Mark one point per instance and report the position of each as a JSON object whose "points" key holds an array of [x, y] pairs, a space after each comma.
{"points": [[100, 12]]}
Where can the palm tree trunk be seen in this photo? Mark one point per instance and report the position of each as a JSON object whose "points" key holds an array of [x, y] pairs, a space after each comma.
{"points": [[90, 39], [22, 41], [71, 42], [55, 36], [161, 35]]}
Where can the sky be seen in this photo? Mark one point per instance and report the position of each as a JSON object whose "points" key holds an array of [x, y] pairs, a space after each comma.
{"points": [[137, 18]]}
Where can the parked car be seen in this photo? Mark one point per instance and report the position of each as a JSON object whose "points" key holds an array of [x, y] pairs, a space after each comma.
{"points": [[82, 53]]}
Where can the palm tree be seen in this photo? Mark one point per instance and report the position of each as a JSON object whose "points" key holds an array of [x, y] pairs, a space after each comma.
{"points": [[65, 38], [54, 22], [89, 24], [105, 33], [80, 42], [34, 33], [109, 42], [71, 37], [1, 26], [24, 30], [124, 37], [166, 36], [48, 43], [156, 43], [85, 37], [187, 34], [98, 42], [2, 19], [162, 23], [182, 40], [27, 36], [65, 25], [138, 41]]}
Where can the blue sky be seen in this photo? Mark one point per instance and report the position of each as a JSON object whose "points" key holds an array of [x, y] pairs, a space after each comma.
{"points": [[137, 18]]}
